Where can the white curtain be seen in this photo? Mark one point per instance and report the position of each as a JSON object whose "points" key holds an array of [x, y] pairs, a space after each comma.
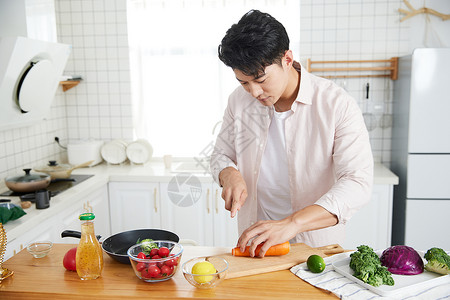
{"points": [[179, 86]]}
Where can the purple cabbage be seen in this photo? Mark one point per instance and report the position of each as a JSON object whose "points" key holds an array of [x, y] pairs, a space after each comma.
{"points": [[402, 260]]}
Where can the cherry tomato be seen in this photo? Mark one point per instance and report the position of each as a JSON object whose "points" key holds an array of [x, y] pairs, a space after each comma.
{"points": [[156, 257], [163, 252], [171, 262], [145, 274], [141, 255], [153, 271], [154, 252], [69, 261], [140, 266], [167, 270]]}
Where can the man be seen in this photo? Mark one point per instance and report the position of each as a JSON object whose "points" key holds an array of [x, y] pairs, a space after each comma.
{"points": [[293, 154]]}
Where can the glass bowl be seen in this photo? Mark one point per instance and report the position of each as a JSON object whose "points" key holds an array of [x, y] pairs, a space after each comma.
{"points": [[156, 269], [206, 281], [39, 249]]}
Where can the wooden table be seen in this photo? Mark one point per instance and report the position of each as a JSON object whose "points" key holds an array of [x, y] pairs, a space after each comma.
{"points": [[44, 278]]}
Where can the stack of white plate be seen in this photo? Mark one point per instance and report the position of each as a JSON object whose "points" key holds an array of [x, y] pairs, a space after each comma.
{"points": [[114, 152], [139, 151]]}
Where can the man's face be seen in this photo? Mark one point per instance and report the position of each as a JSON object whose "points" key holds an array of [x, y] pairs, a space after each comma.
{"points": [[267, 87]]}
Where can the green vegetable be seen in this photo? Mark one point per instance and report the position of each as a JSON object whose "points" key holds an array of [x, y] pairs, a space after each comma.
{"points": [[367, 266], [438, 261], [147, 245]]}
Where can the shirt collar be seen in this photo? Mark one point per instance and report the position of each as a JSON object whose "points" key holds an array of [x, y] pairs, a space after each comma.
{"points": [[305, 91]]}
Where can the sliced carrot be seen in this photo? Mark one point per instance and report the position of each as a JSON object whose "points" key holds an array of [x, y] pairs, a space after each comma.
{"points": [[279, 249]]}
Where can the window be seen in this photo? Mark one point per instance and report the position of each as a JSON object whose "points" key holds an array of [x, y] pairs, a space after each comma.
{"points": [[179, 86]]}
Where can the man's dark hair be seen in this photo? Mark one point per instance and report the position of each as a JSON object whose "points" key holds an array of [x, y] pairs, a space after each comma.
{"points": [[255, 42]]}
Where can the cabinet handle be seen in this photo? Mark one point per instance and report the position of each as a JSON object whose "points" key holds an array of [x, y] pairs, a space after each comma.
{"points": [[217, 204], [207, 201], [155, 206]]}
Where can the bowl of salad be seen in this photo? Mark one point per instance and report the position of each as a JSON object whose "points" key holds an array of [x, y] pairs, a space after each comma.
{"points": [[155, 261]]}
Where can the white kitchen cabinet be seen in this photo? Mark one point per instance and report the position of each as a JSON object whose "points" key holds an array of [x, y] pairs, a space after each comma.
{"points": [[44, 232], [225, 227], [372, 224], [98, 203], [187, 209], [425, 220], [193, 210], [134, 205]]}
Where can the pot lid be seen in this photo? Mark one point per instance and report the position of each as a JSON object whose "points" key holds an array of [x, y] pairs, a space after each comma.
{"points": [[27, 177], [53, 166]]}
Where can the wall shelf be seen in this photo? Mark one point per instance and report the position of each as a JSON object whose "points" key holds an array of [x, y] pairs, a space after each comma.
{"points": [[68, 84], [387, 67]]}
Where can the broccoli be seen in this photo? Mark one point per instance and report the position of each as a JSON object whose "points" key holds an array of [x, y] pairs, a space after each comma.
{"points": [[147, 245], [367, 266], [438, 261]]}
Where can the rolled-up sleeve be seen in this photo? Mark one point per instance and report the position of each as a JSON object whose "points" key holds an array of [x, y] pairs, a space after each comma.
{"points": [[352, 163]]}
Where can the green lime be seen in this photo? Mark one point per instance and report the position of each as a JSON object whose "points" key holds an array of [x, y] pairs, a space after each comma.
{"points": [[315, 263]]}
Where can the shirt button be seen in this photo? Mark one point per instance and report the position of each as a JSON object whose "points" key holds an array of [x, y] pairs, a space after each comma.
{"points": [[261, 145]]}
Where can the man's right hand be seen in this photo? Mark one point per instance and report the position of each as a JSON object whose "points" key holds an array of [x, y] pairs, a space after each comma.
{"points": [[234, 189]]}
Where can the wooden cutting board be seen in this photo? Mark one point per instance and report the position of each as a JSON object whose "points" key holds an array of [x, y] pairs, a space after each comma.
{"points": [[299, 253]]}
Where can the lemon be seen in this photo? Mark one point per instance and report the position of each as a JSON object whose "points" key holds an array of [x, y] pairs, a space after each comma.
{"points": [[316, 263], [203, 268]]}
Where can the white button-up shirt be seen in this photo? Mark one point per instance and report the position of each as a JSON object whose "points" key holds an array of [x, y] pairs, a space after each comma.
{"points": [[328, 151]]}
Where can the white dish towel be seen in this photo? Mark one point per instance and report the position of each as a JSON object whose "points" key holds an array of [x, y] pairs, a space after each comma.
{"points": [[345, 288]]}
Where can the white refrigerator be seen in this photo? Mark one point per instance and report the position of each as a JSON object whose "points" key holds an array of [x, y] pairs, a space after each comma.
{"points": [[421, 150]]}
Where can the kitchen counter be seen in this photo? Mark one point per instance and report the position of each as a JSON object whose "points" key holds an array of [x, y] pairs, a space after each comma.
{"points": [[104, 173], [46, 278]]}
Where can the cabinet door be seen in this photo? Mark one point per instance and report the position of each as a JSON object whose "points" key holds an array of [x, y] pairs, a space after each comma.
{"points": [[186, 208], [44, 232], [98, 203], [372, 224], [134, 205], [427, 224], [225, 227]]}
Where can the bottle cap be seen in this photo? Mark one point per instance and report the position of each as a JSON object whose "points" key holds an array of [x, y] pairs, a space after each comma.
{"points": [[87, 216]]}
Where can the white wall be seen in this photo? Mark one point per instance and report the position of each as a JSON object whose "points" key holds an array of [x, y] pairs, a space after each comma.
{"points": [[100, 106]]}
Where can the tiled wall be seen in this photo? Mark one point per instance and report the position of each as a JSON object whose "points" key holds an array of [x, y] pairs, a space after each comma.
{"points": [[99, 107]]}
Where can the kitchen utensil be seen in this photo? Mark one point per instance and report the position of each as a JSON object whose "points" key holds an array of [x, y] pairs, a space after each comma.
{"points": [[167, 265], [114, 152], [206, 281], [42, 198], [118, 244], [369, 119], [386, 118], [60, 171], [84, 150], [4, 272], [39, 249], [139, 151], [243, 266], [28, 182]]}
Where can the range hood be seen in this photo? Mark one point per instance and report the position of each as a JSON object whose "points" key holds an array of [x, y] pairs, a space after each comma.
{"points": [[30, 71]]}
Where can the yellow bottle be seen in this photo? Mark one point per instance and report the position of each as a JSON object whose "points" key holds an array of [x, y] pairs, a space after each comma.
{"points": [[89, 258]]}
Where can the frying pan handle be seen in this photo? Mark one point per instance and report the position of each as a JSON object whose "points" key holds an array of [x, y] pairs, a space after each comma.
{"points": [[74, 234]]}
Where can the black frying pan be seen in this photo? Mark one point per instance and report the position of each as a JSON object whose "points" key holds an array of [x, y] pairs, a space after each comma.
{"points": [[118, 244]]}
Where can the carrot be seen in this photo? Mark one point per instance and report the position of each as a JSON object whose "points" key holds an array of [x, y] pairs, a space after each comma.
{"points": [[279, 249]]}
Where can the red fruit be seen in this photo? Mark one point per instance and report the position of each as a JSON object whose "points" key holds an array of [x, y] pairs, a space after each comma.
{"points": [[140, 266], [171, 262], [156, 257], [145, 274], [163, 252], [69, 261], [167, 270], [141, 255], [153, 252], [153, 271]]}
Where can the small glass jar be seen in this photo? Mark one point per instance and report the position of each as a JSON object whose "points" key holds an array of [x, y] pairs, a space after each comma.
{"points": [[89, 258]]}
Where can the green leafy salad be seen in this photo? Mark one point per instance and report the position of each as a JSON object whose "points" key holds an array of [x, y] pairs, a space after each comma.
{"points": [[367, 266]]}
